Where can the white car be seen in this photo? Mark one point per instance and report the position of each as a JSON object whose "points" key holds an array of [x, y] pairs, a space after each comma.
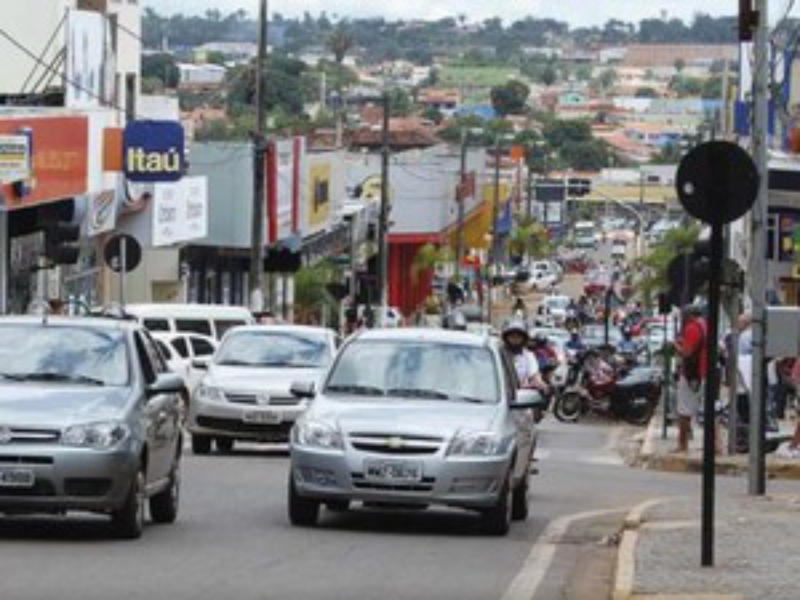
{"points": [[245, 394], [181, 349], [542, 281], [619, 249], [555, 307], [547, 267]]}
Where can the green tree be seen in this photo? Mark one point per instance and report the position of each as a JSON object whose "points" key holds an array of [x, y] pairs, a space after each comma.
{"points": [[400, 104], [311, 296], [549, 75], [646, 92], [528, 239], [162, 67], [654, 266], [511, 98], [340, 42]]}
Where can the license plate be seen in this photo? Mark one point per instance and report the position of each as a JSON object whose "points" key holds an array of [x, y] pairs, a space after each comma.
{"points": [[16, 478], [262, 417], [385, 470]]}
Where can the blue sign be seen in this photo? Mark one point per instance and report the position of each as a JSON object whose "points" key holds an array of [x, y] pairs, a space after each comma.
{"points": [[154, 151]]}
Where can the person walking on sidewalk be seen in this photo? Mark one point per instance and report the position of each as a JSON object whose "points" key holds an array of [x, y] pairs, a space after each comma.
{"points": [[692, 347]]}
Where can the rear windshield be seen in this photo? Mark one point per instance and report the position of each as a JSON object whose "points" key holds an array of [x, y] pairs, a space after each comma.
{"points": [[201, 326]]}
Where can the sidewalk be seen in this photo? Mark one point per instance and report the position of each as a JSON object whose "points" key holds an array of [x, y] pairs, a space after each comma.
{"points": [[755, 551], [657, 453]]}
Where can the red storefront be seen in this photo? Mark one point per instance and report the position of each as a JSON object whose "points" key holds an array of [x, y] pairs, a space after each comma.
{"points": [[404, 292]]}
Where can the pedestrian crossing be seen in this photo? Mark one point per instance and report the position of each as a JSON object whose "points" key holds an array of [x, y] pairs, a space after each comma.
{"points": [[578, 456]]}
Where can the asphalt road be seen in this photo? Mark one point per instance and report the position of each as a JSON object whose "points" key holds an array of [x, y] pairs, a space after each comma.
{"points": [[233, 540]]}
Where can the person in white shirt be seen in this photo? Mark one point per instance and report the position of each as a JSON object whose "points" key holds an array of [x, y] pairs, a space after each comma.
{"points": [[515, 339]]}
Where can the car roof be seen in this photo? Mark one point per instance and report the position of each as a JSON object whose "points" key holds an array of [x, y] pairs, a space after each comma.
{"points": [[66, 321], [425, 335], [283, 328]]}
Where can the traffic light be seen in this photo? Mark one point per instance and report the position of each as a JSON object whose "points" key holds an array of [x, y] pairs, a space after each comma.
{"points": [[60, 242], [748, 20]]}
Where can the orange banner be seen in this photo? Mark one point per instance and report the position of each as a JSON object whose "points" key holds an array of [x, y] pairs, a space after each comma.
{"points": [[60, 165]]}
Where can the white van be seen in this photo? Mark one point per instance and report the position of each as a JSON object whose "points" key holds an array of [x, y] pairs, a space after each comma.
{"points": [[211, 320]]}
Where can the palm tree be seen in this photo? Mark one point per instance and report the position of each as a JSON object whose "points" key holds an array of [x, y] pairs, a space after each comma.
{"points": [[529, 240], [426, 259]]}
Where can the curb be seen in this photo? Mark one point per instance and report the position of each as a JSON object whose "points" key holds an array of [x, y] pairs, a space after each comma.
{"points": [[625, 571]]}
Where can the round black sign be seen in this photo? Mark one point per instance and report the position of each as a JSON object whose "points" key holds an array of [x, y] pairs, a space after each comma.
{"points": [[717, 182], [113, 253]]}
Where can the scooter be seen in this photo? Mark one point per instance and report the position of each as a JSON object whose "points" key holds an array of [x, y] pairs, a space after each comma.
{"points": [[593, 385]]}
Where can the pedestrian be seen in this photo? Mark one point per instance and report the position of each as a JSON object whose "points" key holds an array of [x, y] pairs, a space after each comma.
{"points": [[692, 347], [791, 449]]}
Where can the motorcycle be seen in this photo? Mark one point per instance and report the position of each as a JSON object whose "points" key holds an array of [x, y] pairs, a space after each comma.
{"points": [[594, 385]]}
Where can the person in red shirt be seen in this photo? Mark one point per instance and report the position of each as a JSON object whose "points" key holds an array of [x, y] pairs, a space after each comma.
{"points": [[692, 347]]}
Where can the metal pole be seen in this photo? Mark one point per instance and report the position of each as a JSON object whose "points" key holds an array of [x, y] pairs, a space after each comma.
{"points": [[383, 251], [732, 371], [259, 184], [460, 205], [493, 254], [123, 263], [5, 255], [758, 267], [529, 208], [711, 396], [666, 379], [607, 317]]}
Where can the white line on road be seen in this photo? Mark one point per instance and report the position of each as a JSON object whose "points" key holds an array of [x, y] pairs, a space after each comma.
{"points": [[530, 577]]}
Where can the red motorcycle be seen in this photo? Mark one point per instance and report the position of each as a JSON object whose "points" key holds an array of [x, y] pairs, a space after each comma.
{"points": [[594, 385]]}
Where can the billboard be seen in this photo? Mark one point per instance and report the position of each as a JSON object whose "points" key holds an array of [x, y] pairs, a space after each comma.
{"points": [[89, 78], [283, 189], [59, 149], [180, 211], [319, 195], [15, 158]]}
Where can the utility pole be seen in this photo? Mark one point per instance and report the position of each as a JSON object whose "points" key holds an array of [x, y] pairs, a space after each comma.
{"points": [[259, 154], [494, 249], [460, 199], [383, 251], [757, 470]]}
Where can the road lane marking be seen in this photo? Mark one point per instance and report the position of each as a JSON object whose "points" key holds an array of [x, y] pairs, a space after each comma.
{"points": [[533, 571]]}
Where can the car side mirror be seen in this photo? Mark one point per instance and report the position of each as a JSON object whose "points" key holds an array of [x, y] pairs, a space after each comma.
{"points": [[529, 400], [166, 383], [201, 363], [303, 389]]}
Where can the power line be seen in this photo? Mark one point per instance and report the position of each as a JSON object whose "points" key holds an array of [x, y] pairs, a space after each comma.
{"points": [[22, 48]]}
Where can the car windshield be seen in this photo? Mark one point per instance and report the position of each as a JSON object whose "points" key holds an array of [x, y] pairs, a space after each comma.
{"points": [[63, 354], [414, 370], [558, 302], [274, 349]]}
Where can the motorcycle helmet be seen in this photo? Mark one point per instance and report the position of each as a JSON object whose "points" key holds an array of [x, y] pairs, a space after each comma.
{"points": [[516, 326]]}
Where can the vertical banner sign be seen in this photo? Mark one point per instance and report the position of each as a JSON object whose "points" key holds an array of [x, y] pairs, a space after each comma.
{"points": [[282, 190], [195, 208], [85, 80], [166, 214]]}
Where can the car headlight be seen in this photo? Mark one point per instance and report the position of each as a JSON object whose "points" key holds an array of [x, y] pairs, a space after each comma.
{"points": [[315, 434], [477, 443], [209, 393], [100, 436]]}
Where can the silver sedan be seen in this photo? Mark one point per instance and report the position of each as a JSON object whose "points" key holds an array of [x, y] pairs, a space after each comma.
{"points": [[415, 417]]}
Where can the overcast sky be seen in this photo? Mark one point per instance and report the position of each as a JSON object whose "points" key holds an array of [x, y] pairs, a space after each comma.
{"points": [[576, 12]]}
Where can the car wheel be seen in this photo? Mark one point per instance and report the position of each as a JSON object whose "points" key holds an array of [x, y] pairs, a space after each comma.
{"points": [[338, 505], [520, 499], [497, 519], [568, 407], [164, 505], [224, 444], [128, 521], [201, 444], [302, 511]]}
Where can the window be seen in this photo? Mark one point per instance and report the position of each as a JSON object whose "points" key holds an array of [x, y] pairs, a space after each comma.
{"points": [[201, 326], [222, 327], [510, 376], [201, 347], [181, 347], [156, 324], [148, 370], [164, 349]]}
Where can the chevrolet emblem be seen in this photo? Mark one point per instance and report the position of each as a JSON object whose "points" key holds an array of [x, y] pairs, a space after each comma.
{"points": [[395, 443]]}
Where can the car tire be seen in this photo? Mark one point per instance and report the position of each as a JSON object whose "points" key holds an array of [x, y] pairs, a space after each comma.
{"points": [[128, 521], [497, 519], [338, 506], [164, 505], [520, 498], [224, 444], [201, 444], [303, 512]]}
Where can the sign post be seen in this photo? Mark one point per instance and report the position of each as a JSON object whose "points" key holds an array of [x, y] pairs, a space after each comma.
{"points": [[717, 182], [122, 254]]}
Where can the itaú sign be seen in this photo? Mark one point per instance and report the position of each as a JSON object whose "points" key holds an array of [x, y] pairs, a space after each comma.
{"points": [[154, 151]]}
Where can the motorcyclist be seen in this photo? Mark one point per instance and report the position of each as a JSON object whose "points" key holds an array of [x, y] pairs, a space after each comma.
{"points": [[515, 341], [545, 354], [626, 344], [575, 343]]}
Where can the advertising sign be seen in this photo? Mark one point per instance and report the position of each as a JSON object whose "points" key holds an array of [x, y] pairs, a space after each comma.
{"points": [[319, 195], [154, 151], [283, 190], [59, 148], [86, 73], [180, 211], [14, 158], [102, 215]]}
